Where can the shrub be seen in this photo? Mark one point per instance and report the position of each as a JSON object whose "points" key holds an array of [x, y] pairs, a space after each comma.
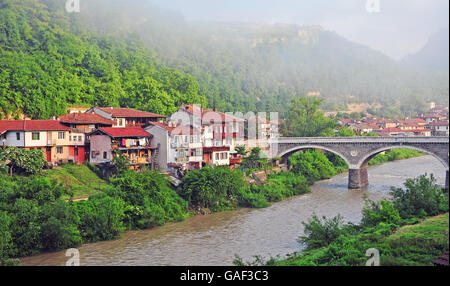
{"points": [[374, 213], [321, 232], [421, 197], [313, 165], [214, 188], [149, 199], [101, 217]]}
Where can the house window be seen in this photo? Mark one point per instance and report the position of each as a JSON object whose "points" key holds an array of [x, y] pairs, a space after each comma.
{"points": [[79, 138], [217, 156], [18, 136], [59, 150], [105, 155], [35, 136], [61, 135], [70, 137], [76, 151]]}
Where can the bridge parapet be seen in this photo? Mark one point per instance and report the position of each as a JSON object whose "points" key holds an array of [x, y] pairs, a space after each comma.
{"points": [[357, 151]]}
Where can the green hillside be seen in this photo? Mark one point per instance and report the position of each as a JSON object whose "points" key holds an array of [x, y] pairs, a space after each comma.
{"points": [[48, 61], [260, 67]]}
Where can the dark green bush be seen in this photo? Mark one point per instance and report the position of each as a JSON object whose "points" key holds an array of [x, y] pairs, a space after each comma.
{"points": [[320, 232], [101, 218], [421, 197], [149, 199], [214, 188]]}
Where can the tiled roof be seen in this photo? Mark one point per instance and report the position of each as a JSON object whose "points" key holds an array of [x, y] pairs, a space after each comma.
{"points": [[125, 132], [419, 120], [127, 112], [85, 118], [31, 125]]}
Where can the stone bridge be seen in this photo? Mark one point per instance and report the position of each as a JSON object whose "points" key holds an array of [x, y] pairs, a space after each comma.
{"points": [[357, 151]]}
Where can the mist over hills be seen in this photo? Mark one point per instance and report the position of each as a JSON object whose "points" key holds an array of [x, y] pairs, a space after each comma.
{"points": [[243, 66], [122, 51], [434, 55]]}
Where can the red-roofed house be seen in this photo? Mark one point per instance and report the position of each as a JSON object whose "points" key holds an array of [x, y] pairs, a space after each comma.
{"points": [[133, 142], [126, 117], [85, 122], [56, 140]]}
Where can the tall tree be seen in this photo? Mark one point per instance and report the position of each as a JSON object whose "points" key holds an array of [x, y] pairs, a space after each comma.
{"points": [[306, 120]]}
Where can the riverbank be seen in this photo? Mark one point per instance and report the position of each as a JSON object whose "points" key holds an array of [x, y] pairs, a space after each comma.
{"points": [[410, 245], [214, 239], [408, 229]]}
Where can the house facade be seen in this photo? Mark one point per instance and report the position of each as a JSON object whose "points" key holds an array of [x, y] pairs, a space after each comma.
{"points": [[58, 143], [133, 142]]}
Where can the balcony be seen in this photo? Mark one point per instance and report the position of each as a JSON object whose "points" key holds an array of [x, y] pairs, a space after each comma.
{"points": [[195, 158], [140, 161], [179, 145]]}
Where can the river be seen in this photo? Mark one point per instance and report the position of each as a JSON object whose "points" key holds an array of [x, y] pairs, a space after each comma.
{"points": [[215, 239]]}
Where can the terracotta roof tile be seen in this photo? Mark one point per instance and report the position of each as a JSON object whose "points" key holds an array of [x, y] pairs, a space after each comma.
{"points": [[127, 112], [125, 132], [85, 118], [32, 125]]}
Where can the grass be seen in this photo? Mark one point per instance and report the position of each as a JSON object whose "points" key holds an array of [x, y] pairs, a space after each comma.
{"points": [[80, 180], [410, 245]]}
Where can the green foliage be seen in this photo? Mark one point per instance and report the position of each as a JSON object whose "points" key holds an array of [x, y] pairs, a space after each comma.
{"points": [[121, 163], [101, 218], [321, 232], [262, 67], [30, 161], [214, 188], [149, 199], [240, 150], [253, 161], [313, 165], [421, 197], [305, 120], [278, 187], [331, 243], [374, 213], [345, 132], [48, 61], [393, 155], [6, 243]]}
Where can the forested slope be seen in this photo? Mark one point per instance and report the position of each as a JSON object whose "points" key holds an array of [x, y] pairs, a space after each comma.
{"points": [[48, 61]]}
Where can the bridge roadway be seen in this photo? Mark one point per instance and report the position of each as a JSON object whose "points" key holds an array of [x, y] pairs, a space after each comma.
{"points": [[357, 151]]}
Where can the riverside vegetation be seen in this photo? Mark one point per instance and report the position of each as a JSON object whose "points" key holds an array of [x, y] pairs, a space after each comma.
{"points": [[37, 212], [409, 228]]}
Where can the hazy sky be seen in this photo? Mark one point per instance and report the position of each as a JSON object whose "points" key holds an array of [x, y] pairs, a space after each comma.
{"points": [[400, 27]]}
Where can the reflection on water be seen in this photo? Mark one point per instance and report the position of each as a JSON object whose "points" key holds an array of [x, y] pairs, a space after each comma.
{"points": [[215, 239]]}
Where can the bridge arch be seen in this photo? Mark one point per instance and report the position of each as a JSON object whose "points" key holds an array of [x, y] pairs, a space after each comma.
{"points": [[286, 154], [364, 161]]}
